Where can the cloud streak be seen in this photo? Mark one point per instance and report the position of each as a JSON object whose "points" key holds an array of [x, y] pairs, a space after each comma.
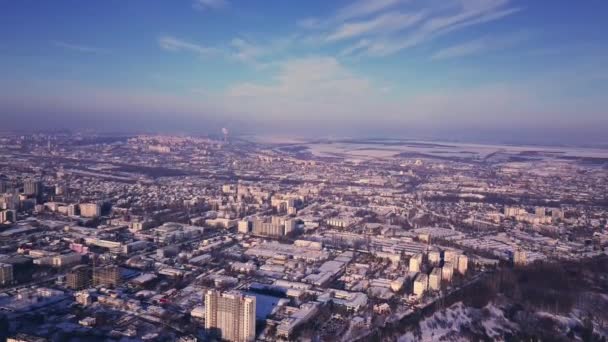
{"points": [[390, 26], [362, 8], [385, 23], [481, 45], [259, 55], [210, 4], [171, 43], [79, 48]]}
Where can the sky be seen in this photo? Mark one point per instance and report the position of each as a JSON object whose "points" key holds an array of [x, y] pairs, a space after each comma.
{"points": [[496, 70]]}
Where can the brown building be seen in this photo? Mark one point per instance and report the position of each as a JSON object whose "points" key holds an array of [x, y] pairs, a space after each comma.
{"points": [[79, 277], [108, 275]]}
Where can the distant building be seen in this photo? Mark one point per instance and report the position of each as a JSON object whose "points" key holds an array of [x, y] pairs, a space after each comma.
{"points": [[159, 148], [60, 189], [341, 222], [83, 298], [108, 275], [463, 264], [275, 227], [520, 257], [434, 258], [72, 210], [90, 210], [416, 263], [447, 271], [450, 257], [66, 260], [557, 214], [514, 211], [435, 279], [421, 284], [231, 315], [79, 277], [3, 186], [10, 201], [32, 187], [244, 227], [304, 313], [6, 274], [141, 225], [221, 222], [540, 211], [8, 216]]}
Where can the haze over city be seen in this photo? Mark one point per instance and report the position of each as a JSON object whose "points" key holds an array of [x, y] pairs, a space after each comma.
{"points": [[472, 70]]}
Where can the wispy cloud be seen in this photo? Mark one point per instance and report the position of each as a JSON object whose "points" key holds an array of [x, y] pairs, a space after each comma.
{"points": [[248, 52], [481, 45], [385, 23], [79, 48], [210, 4], [259, 55], [360, 45], [390, 26], [171, 43], [465, 49], [356, 10], [363, 28], [362, 8], [465, 16]]}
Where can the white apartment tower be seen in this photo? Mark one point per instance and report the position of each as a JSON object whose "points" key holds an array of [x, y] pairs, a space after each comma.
{"points": [[231, 314], [415, 263], [435, 279], [421, 284], [463, 264]]}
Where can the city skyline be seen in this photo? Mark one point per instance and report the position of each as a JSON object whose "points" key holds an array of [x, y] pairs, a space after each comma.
{"points": [[494, 70]]}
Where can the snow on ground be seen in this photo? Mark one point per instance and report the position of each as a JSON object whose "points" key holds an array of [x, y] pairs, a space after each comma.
{"points": [[448, 324]]}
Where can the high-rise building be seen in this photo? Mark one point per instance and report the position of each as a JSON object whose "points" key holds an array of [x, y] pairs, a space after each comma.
{"points": [[520, 257], [435, 279], [90, 210], [10, 201], [451, 257], [447, 271], [434, 258], [6, 274], [8, 216], [243, 226], [108, 275], [72, 210], [60, 189], [416, 263], [463, 264], [540, 212], [79, 277], [32, 187], [421, 284], [276, 226], [3, 186], [557, 214], [231, 315]]}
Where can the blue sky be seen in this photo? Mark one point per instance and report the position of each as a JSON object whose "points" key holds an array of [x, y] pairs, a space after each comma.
{"points": [[438, 68]]}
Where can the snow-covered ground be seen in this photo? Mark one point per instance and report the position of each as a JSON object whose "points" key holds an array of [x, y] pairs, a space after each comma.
{"points": [[451, 324], [462, 323]]}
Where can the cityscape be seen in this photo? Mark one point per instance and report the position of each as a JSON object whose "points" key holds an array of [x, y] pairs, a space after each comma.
{"points": [[167, 238], [310, 171]]}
